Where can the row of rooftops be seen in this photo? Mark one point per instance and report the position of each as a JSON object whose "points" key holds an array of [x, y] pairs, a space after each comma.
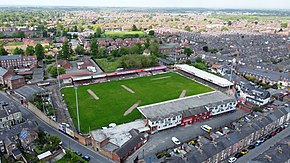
{"points": [[241, 129], [271, 75], [6, 109], [17, 57], [277, 153], [183, 105], [252, 90]]}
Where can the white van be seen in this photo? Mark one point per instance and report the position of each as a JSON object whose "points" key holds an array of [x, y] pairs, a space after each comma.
{"points": [[206, 128]]}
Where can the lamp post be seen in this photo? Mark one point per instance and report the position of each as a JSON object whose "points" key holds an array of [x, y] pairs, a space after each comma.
{"points": [[77, 105], [57, 72]]}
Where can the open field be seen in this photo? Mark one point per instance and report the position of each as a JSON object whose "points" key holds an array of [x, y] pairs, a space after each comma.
{"points": [[14, 44], [115, 100], [124, 34], [108, 66]]}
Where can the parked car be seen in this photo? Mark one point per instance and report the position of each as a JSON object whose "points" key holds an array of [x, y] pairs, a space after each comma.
{"points": [[244, 151], [238, 155], [232, 159], [250, 147], [268, 136], [273, 133], [286, 124], [175, 141], [206, 128], [86, 157], [78, 153], [259, 142]]}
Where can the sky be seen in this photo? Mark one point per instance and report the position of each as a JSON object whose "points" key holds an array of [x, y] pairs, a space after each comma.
{"points": [[249, 4]]}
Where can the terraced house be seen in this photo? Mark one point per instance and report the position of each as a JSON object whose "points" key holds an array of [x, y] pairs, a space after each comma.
{"points": [[239, 135]]}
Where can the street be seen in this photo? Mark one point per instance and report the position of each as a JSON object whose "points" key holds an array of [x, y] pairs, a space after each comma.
{"points": [[264, 146], [68, 142], [162, 140]]}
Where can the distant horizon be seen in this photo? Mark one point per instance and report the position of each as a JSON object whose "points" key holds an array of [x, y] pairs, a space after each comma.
{"points": [[207, 4], [215, 8]]}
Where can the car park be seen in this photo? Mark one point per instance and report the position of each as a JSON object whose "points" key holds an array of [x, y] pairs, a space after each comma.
{"points": [[244, 151], [232, 159], [206, 128], [175, 141], [86, 157]]}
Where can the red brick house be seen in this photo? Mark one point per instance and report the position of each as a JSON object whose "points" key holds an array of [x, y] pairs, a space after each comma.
{"points": [[5, 74], [64, 63], [17, 61], [15, 82], [194, 115]]}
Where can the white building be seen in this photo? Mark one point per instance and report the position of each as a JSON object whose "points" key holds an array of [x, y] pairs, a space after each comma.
{"points": [[252, 94], [222, 82], [169, 114], [221, 107]]}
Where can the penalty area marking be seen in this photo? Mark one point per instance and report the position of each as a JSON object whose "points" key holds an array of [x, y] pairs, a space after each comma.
{"points": [[128, 89], [132, 108], [93, 94]]}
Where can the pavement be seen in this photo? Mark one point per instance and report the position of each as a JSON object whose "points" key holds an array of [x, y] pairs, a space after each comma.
{"points": [[61, 111], [264, 146], [162, 140], [68, 142]]}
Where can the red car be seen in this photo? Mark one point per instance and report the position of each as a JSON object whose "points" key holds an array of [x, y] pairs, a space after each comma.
{"points": [[273, 133]]}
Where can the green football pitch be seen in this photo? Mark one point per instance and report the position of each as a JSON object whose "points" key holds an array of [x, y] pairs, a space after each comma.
{"points": [[114, 100]]}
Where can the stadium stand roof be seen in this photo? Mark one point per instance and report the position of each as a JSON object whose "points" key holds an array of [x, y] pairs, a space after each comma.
{"points": [[166, 108], [222, 82]]}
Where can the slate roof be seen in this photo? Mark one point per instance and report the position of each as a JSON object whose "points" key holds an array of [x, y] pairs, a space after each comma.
{"points": [[28, 91], [278, 153], [16, 77], [129, 145], [176, 106], [10, 57], [272, 75], [2, 71], [249, 127]]}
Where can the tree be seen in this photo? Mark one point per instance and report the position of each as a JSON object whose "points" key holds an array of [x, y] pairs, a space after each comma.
{"points": [[199, 60], [284, 25], [3, 51], [134, 28], [123, 51], [98, 32], [224, 28], [187, 28], [187, 52], [17, 51], [29, 51], [154, 48], [66, 50], [39, 52], [151, 33], [53, 70], [80, 50], [147, 43], [102, 53], [257, 109], [94, 48]]}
